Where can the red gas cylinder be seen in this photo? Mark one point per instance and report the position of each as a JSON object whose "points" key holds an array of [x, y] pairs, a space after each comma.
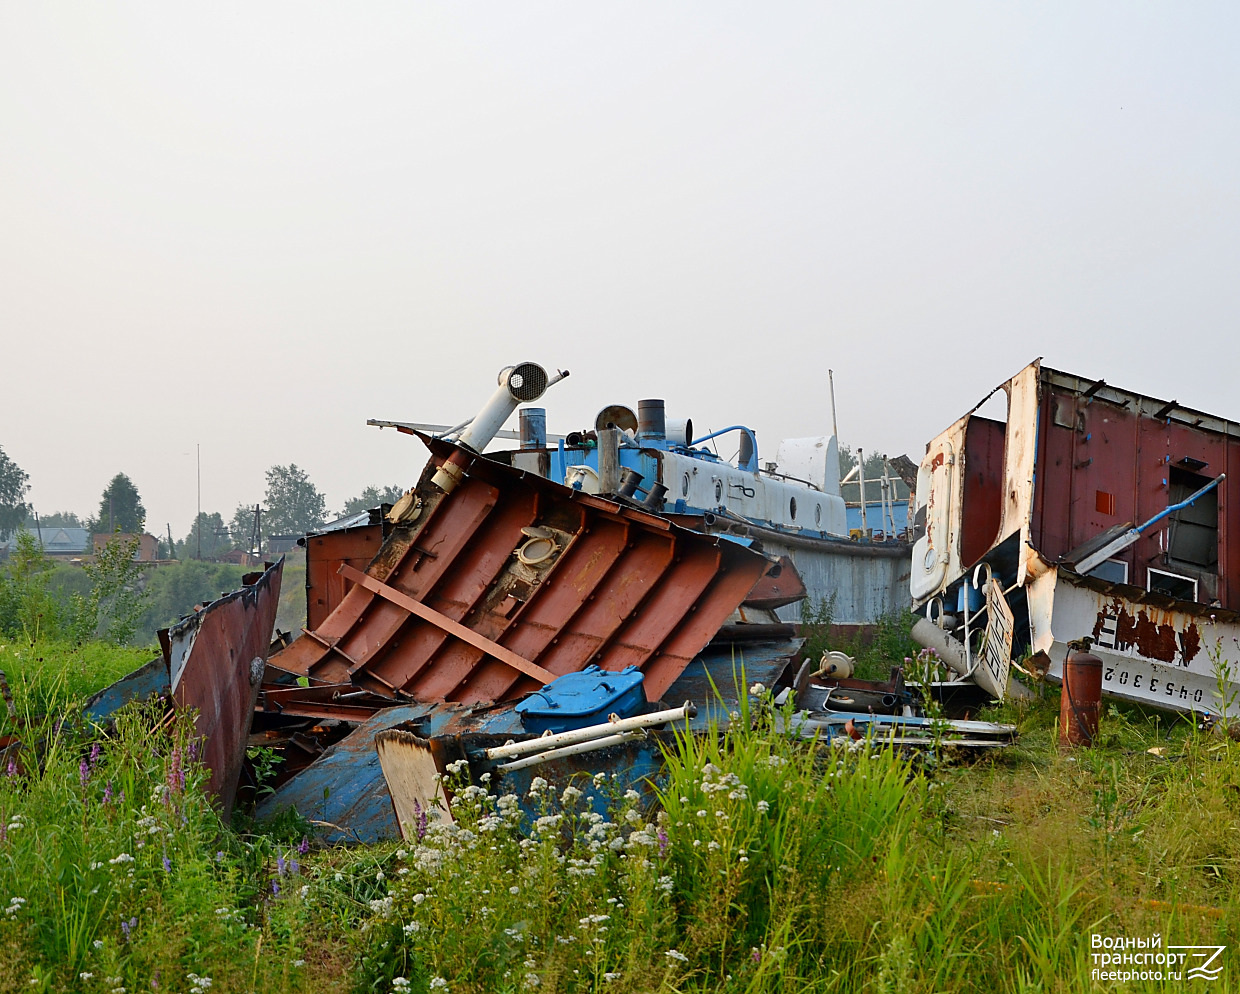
{"points": [[1080, 700]]}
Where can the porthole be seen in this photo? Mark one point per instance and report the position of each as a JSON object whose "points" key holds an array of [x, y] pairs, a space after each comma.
{"points": [[718, 490], [792, 508], [684, 485], [817, 514]]}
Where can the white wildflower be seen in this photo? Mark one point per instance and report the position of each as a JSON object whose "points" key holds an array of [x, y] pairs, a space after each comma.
{"points": [[677, 955]]}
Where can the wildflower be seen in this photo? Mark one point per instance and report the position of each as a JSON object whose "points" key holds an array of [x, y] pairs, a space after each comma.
{"points": [[299, 962], [219, 856], [701, 814], [280, 865], [107, 793], [400, 984], [419, 898], [303, 847], [83, 772], [167, 864], [98, 943], [677, 955], [11, 770], [570, 794], [275, 889], [763, 807], [412, 928], [128, 926], [609, 977], [532, 980], [94, 754], [663, 842], [514, 890], [664, 884], [85, 976], [757, 690], [122, 858], [438, 984]]}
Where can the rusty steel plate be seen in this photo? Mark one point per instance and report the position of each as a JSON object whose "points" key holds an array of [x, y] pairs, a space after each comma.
{"points": [[216, 659], [546, 579]]}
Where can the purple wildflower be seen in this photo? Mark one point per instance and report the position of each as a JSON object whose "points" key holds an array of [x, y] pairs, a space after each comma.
{"points": [[128, 926], [304, 846], [176, 775], [107, 793], [275, 888], [663, 843], [193, 750], [280, 865], [419, 819], [11, 770], [83, 772], [219, 856], [95, 750], [167, 864], [294, 867], [755, 954]]}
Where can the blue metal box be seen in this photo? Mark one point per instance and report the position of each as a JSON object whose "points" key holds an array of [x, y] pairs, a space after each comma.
{"points": [[586, 697]]}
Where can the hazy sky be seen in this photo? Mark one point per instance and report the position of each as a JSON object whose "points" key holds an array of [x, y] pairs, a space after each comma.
{"points": [[253, 226]]}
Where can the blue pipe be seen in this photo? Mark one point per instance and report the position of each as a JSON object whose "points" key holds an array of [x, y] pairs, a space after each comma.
{"points": [[749, 465]]}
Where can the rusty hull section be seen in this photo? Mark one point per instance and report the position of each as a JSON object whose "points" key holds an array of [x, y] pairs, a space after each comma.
{"points": [[216, 660], [555, 578]]}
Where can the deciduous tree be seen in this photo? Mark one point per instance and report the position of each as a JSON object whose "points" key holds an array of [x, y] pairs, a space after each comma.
{"points": [[372, 497], [293, 504], [14, 484]]}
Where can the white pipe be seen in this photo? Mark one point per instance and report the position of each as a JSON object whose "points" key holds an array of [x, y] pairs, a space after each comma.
{"points": [[861, 477], [574, 750], [686, 710]]}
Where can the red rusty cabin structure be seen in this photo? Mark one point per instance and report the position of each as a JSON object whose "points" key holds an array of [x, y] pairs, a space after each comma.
{"points": [[1026, 490]]}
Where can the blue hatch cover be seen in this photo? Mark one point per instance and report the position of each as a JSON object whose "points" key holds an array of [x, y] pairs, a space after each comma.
{"points": [[583, 698]]}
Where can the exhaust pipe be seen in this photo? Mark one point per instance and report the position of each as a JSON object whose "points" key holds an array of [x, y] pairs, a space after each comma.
{"points": [[520, 384]]}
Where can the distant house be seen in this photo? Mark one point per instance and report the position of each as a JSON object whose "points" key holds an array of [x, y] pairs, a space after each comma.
{"points": [[58, 542], [148, 545]]}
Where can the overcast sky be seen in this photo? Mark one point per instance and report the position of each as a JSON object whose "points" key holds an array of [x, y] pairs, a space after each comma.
{"points": [[253, 226]]}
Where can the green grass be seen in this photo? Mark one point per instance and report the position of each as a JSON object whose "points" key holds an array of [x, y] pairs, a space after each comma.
{"points": [[48, 676]]}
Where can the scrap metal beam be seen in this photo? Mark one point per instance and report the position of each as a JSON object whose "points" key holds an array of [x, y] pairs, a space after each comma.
{"points": [[468, 635]]}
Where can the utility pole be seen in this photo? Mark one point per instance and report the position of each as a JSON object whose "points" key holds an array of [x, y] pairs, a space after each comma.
{"points": [[198, 520]]}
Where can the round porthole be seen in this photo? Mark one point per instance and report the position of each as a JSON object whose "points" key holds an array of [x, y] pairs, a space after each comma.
{"points": [[792, 508], [817, 514], [718, 490], [536, 551], [684, 485]]}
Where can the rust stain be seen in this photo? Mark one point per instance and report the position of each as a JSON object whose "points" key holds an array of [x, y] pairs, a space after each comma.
{"points": [[1190, 643], [1151, 632]]}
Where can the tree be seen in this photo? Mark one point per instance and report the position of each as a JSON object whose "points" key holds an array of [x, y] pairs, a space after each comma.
{"points": [[372, 497], [241, 528], [294, 505], [120, 509], [214, 537], [60, 519], [14, 484], [873, 477]]}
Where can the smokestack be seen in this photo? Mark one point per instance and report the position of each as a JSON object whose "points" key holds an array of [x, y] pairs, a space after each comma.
{"points": [[651, 422], [520, 384]]}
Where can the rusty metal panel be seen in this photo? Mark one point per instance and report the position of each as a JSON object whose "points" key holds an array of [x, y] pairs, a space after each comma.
{"points": [[216, 659], [325, 587], [557, 577], [1154, 650]]}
